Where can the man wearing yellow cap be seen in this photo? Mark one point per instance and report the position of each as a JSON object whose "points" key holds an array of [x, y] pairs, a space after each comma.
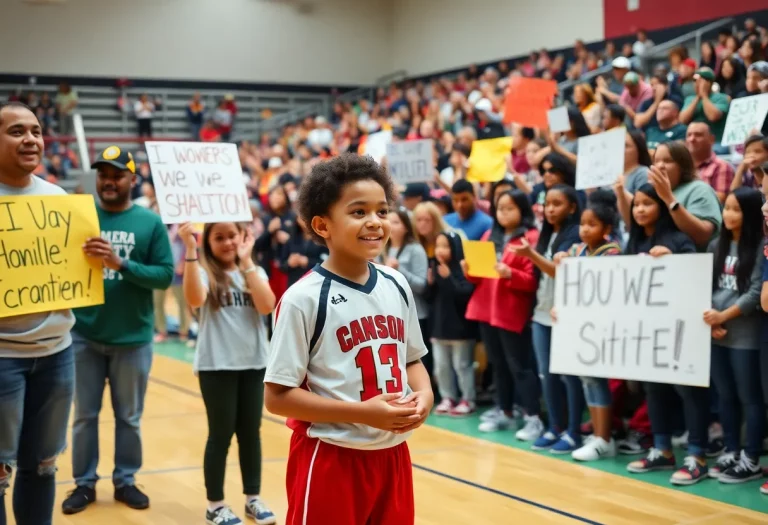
{"points": [[113, 341]]}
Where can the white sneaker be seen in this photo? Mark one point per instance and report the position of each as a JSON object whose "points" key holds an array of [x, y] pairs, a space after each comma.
{"points": [[595, 449], [490, 414], [501, 422], [444, 407], [532, 430], [464, 408], [680, 441]]}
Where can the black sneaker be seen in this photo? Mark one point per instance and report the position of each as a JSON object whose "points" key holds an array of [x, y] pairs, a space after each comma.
{"points": [[78, 499], [222, 516], [635, 443], [745, 470], [132, 496], [655, 460], [726, 460]]}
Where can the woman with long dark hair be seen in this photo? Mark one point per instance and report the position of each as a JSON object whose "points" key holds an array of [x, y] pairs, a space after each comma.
{"points": [[735, 366]]}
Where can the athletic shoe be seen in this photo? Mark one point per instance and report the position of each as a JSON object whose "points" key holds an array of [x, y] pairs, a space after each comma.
{"points": [[545, 441], [464, 408], [655, 460], [745, 470], [445, 406], [635, 443], [691, 473], [490, 414], [222, 516], [78, 499], [595, 449], [501, 422], [132, 496], [764, 488], [723, 463], [256, 510], [532, 429], [566, 444]]}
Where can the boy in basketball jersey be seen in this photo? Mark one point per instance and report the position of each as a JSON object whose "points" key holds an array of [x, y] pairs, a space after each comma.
{"points": [[345, 359]]}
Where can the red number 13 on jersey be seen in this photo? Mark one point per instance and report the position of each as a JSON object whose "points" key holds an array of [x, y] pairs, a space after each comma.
{"points": [[365, 361]]}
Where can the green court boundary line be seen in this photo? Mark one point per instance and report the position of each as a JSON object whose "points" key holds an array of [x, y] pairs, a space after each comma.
{"points": [[746, 495]]}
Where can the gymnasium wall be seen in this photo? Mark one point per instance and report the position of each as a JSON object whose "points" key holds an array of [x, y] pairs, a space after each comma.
{"points": [[338, 42], [438, 35]]}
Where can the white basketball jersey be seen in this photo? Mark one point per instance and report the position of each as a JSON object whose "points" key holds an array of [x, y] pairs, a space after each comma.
{"points": [[346, 341]]}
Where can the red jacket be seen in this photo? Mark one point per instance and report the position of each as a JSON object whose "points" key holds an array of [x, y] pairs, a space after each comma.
{"points": [[506, 303]]}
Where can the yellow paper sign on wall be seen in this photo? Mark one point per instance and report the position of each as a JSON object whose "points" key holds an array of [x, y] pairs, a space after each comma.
{"points": [[42, 263], [488, 159]]}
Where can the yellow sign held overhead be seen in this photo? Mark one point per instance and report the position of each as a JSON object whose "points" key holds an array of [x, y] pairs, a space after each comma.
{"points": [[42, 263], [488, 160]]}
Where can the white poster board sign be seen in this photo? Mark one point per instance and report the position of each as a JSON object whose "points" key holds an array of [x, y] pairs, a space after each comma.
{"points": [[410, 161], [376, 144], [744, 115], [198, 182], [634, 317], [558, 120], [600, 160]]}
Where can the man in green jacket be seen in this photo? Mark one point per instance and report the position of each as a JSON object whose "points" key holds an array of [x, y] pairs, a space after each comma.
{"points": [[113, 342]]}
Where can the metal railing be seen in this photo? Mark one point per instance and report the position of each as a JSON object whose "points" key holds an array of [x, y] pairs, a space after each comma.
{"points": [[660, 51]]}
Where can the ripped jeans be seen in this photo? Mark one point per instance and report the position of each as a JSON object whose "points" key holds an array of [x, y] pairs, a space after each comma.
{"points": [[35, 400]]}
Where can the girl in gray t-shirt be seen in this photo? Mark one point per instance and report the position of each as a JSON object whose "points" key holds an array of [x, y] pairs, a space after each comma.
{"points": [[233, 296]]}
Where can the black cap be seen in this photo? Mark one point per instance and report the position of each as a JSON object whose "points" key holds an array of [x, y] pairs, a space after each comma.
{"points": [[119, 158]]}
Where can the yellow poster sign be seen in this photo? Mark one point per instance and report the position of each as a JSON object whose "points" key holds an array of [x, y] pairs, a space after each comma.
{"points": [[488, 160], [42, 263]]}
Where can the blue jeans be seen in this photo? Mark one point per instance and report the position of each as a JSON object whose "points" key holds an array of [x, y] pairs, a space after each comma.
{"points": [[556, 386], [663, 415], [127, 370], [596, 391], [35, 399]]}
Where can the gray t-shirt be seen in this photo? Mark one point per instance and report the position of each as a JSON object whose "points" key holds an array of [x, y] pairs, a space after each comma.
{"points": [[636, 178], [234, 337], [414, 264], [39, 334], [545, 296], [744, 330]]}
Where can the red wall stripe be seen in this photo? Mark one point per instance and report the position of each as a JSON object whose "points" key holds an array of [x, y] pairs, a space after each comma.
{"points": [[661, 14]]}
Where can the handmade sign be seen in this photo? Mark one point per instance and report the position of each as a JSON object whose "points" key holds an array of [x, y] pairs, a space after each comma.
{"points": [[198, 182], [528, 100], [633, 317], [410, 161], [600, 160], [744, 115], [42, 263], [488, 159]]}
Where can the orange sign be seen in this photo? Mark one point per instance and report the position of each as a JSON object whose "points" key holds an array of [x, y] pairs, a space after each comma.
{"points": [[528, 100]]}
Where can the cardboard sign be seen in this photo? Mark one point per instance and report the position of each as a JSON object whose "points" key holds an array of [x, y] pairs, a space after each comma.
{"points": [[558, 120], [42, 263], [634, 317], [481, 259], [601, 159], [744, 115], [410, 161], [198, 182], [528, 100], [376, 144], [488, 159]]}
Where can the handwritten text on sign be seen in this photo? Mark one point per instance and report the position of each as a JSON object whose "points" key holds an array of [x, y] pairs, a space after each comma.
{"points": [[198, 182], [633, 317], [744, 115], [600, 160], [410, 161], [42, 264]]}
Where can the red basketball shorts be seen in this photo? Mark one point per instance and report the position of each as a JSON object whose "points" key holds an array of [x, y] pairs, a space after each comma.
{"points": [[342, 486]]}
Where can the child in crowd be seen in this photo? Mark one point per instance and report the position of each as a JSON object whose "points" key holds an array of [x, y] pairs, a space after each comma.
{"points": [[233, 294], [735, 365], [502, 306], [597, 226], [653, 232], [453, 335], [559, 232], [345, 366]]}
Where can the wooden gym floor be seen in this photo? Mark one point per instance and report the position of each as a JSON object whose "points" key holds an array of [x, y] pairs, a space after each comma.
{"points": [[459, 479]]}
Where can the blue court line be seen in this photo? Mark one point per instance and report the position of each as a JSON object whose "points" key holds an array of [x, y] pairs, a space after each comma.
{"points": [[506, 495], [463, 481]]}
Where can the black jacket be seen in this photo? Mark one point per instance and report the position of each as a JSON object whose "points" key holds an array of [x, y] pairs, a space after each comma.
{"points": [[449, 297]]}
